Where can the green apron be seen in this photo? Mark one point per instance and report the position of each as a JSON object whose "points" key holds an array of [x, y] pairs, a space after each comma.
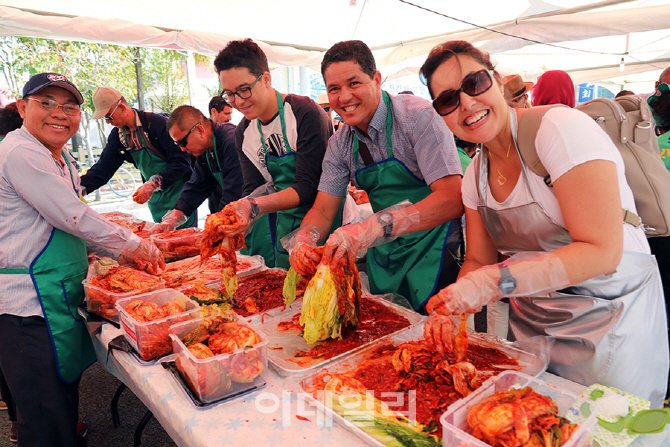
{"points": [[664, 147], [151, 164], [411, 264], [282, 169], [57, 273]]}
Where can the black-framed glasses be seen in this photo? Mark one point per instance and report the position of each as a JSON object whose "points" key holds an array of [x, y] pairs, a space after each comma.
{"points": [[51, 105], [473, 84], [109, 115], [184, 141], [242, 92]]}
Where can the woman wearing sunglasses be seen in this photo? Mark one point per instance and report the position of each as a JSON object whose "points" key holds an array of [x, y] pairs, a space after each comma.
{"points": [[577, 272]]}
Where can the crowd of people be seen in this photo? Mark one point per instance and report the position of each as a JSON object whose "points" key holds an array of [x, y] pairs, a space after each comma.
{"points": [[546, 258]]}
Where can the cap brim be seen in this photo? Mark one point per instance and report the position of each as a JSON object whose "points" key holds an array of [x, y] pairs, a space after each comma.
{"points": [[69, 88], [98, 114]]}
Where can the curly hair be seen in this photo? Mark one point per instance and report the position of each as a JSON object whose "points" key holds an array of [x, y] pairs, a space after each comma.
{"points": [[242, 53], [10, 119]]}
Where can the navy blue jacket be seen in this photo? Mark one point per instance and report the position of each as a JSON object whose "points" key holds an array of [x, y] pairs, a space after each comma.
{"points": [[115, 153], [202, 182]]}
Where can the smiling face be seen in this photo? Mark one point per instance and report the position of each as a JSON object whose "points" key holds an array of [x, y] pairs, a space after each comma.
{"points": [[259, 104], [353, 94], [478, 119], [52, 129]]}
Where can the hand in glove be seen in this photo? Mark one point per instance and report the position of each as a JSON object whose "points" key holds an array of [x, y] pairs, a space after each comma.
{"points": [[246, 211], [525, 274], [378, 229], [304, 255], [171, 220], [144, 192], [148, 257], [441, 333]]}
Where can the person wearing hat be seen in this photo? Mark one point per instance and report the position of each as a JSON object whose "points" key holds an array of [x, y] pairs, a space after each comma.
{"points": [[322, 100], [516, 92], [44, 226], [219, 110], [216, 163], [280, 143], [140, 138]]}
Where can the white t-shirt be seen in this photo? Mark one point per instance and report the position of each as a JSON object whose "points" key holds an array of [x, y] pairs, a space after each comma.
{"points": [[566, 138]]}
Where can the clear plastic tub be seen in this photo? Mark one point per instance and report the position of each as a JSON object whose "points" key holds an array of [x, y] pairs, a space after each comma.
{"points": [[180, 274], [224, 376], [283, 344], [456, 431], [310, 382], [103, 302], [178, 244], [151, 339]]}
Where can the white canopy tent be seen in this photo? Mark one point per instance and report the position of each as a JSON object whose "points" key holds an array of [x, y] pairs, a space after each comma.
{"points": [[588, 40]]}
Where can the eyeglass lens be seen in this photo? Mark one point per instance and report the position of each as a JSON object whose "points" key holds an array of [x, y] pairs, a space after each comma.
{"points": [[110, 117], [243, 92], [184, 141], [51, 105], [473, 85]]}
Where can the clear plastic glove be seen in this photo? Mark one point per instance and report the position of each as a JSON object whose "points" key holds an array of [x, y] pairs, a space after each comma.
{"points": [[378, 229], [242, 209], [147, 257], [144, 192], [304, 255], [440, 332], [532, 274], [171, 220]]}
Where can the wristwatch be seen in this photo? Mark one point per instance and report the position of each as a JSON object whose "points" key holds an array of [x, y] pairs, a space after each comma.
{"points": [[507, 283], [386, 221], [255, 210]]}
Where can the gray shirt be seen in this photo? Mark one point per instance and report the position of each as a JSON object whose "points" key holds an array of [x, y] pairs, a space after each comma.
{"points": [[421, 141], [37, 195]]}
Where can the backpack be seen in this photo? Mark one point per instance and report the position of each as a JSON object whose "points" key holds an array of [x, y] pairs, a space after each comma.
{"points": [[628, 122]]}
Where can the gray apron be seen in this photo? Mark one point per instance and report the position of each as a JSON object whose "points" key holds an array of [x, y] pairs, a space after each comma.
{"points": [[600, 336]]}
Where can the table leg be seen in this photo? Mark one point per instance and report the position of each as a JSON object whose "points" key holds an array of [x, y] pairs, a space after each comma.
{"points": [[140, 428], [115, 405]]}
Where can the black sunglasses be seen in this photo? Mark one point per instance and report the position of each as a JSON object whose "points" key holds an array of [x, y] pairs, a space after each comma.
{"points": [[184, 141], [473, 84]]}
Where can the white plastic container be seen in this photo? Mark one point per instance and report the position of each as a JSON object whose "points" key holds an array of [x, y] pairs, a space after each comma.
{"points": [[151, 339], [456, 431], [224, 376]]}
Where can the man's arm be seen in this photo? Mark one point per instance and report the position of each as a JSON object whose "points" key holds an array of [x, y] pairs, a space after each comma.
{"points": [[197, 189], [110, 160], [323, 213]]}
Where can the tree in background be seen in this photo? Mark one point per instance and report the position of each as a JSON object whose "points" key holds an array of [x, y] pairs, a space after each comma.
{"points": [[164, 73]]}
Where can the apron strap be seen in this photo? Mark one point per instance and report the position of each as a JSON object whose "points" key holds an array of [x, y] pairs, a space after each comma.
{"points": [[280, 105]]}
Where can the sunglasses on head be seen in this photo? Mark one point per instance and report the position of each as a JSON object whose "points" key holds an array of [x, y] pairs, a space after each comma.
{"points": [[473, 84]]}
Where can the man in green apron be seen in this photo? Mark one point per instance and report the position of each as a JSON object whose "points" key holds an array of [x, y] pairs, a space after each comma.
{"points": [[280, 142], [216, 163], [140, 138], [44, 226], [396, 148]]}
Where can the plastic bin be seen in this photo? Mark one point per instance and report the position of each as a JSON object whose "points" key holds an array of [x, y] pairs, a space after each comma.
{"points": [[102, 301], [456, 431], [179, 244], [151, 339], [224, 376]]}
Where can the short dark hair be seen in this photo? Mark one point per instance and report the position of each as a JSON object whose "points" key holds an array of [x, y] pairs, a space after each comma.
{"points": [[624, 93], [350, 50], [660, 105], [242, 53], [445, 51], [181, 114], [10, 119], [218, 103]]}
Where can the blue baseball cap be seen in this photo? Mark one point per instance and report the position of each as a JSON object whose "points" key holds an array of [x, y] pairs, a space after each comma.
{"points": [[42, 80]]}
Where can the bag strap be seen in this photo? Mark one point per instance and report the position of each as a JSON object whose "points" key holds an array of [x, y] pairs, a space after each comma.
{"points": [[153, 137], [365, 153]]}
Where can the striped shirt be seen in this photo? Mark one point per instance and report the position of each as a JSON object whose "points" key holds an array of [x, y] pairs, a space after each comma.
{"points": [[421, 141], [37, 194]]}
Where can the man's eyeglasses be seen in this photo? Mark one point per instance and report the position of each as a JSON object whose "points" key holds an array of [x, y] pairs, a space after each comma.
{"points": [[326, 109], [51, 105], [243, 92], [109, 115], [184, 141], [473, 84]]}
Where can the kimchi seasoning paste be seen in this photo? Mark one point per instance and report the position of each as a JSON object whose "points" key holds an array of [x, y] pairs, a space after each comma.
{"points": [[376, 321], [262, 291]]}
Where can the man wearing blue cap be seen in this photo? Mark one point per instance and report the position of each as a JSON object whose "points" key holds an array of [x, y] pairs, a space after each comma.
{"points": [[44, 226]]}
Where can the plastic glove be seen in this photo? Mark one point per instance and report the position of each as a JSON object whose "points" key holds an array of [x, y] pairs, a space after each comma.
{"points": [[535, 273], [144, 192], [440, 332], [304, 255], [349, 239], [147, 257], [171, 220], [242, 209]]}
